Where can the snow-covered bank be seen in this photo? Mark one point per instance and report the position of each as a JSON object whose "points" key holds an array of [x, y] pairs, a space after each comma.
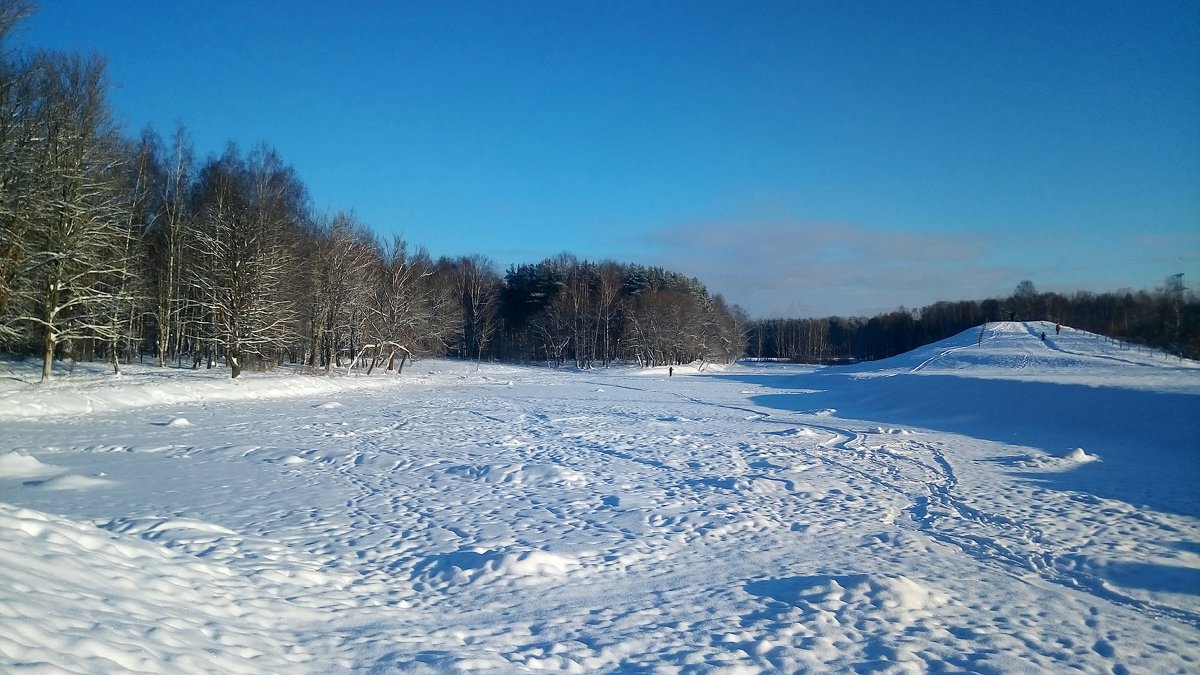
{"points": [[91, 388], [466, 518]]}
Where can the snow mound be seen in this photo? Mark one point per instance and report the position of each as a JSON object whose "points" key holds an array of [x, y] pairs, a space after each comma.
{"points": [[748, 485], [71, 481], [160, 612], [331, 405], [1063, 462], [1078, 456], [257, 558], [793, 431], [166, 528], [18, 464], [179, 422], [475, 565], [881, 600]]}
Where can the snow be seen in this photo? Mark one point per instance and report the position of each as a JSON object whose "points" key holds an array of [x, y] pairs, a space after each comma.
{"points": [[1001, 504]]}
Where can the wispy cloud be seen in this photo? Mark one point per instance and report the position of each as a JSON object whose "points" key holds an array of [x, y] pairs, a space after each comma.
{"points": [[817, 268]]}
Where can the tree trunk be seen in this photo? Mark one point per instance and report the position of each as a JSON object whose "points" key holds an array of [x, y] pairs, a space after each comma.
{"points": [[48, 354]]}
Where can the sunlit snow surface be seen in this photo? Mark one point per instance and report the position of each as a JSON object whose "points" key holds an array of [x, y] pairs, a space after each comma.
{"points": [[994, 505]]}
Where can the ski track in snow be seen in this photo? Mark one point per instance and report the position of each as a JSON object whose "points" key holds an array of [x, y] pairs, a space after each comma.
{"points": [[470, 518]]}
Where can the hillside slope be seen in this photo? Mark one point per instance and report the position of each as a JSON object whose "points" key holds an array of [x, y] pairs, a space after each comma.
{"points": [[1139, 410], [1015, 350]]}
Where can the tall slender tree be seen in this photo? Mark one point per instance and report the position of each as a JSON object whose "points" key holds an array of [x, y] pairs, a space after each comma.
{"points": [[479, 288]]}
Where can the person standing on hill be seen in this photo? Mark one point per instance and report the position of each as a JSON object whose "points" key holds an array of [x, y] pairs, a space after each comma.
{"points": [[1057, 328], [1043, 336]]}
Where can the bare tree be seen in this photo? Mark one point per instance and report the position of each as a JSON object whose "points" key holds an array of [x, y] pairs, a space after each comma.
{"points": [[725, 331], [343, 263], [78, 253], [20, 180], [166, 240], [479, 288], [11, 13], [608, 297], [412, 303], [247, 210], [23, 104]]}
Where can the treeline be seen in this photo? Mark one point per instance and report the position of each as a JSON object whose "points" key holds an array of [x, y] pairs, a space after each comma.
{"points": [[116, 248], [1166, 318], [565, 309]]}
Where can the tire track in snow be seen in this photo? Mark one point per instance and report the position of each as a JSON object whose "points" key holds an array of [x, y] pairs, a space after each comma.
{"points": [[941, 355]]}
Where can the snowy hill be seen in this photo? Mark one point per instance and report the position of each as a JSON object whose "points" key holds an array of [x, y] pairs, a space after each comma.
{"points": [[1014, 350], [993, 505]]}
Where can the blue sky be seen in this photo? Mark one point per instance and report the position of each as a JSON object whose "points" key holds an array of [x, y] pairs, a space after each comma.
{"points": [[801, 158]]}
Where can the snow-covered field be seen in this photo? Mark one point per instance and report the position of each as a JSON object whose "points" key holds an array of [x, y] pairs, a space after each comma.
{"points": [[1009, 506]]}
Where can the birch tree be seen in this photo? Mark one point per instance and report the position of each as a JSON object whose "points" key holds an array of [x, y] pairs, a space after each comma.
{"points": [[166, 240], [479, 289], [608, 303]]}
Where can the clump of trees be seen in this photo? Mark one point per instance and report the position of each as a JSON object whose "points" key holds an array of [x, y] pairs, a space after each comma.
{"points": [[569, 310], [120, 249], [1166, 318]]}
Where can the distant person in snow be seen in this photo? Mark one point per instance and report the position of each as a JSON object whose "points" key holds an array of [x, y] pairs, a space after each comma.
{"points": [[1043, 336], [1057, 328], [670, 371]]}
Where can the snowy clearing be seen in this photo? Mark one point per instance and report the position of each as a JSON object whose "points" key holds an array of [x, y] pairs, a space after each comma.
{"points": [[994, 505]]}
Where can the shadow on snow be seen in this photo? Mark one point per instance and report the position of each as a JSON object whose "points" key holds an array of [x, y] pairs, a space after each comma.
{"points": [[1147, 441]]}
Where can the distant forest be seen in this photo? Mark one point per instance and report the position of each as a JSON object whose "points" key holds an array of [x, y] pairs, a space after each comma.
{"points": [[1167, 318], [133, 248]]}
